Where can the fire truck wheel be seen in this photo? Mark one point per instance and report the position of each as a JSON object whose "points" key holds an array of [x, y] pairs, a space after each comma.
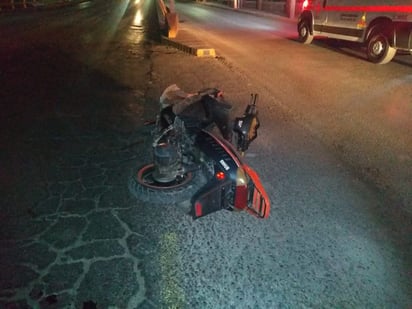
{"points": [[378, 49], [304, 35]]}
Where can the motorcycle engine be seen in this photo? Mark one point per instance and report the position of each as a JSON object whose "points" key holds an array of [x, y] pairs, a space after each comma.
{"points": [[167, 162]]}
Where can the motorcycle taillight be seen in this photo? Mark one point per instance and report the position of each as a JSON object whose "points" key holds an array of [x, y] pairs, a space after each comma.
{"points": [[241, 190]]}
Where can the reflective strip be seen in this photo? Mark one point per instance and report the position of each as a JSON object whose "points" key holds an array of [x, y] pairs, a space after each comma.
{"points": [[371, 8]]}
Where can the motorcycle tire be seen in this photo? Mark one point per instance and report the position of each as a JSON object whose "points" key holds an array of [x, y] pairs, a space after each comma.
{"points": [[177, 192]]}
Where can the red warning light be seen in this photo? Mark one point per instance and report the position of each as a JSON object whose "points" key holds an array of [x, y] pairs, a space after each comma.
{"points": [[305, 4]]}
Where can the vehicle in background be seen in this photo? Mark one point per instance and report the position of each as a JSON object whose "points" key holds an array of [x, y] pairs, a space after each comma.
{"points": [[383, 27]]}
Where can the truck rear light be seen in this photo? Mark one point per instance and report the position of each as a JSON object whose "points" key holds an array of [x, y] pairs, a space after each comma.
{"points": [[305, 4]]}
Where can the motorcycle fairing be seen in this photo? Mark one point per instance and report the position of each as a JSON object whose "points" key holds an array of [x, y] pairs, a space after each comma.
{"points": [[211, 198], [258, 200], [221, 151], [249, 193]]}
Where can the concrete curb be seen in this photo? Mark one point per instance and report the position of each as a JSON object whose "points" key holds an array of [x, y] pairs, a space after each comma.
{"points": [[189, 42], [198, 52]]}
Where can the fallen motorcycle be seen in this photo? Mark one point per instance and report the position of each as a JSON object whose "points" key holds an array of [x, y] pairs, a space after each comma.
{"points": [[194, 159]]}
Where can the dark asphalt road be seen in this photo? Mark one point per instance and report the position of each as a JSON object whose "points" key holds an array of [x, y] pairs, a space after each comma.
{"points": [[75, 94]]}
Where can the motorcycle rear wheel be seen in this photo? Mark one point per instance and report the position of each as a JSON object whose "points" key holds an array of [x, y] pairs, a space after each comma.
{"points": [[143, 186]]}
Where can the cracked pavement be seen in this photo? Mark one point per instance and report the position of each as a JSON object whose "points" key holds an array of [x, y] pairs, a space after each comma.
{"points": [[72, 235]]}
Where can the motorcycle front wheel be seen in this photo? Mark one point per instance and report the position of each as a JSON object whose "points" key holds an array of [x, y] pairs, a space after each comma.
{"points": [[143, 186]]}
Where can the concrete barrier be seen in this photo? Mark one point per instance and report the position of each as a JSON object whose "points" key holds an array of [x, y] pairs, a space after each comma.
{"points": [[168, 18], [172, 24]]}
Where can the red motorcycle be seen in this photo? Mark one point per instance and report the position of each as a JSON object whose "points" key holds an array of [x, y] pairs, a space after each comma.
{"points": [[194, 159]]}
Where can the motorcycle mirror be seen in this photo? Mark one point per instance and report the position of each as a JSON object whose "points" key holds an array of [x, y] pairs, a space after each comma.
{"points": [[246, 126]]}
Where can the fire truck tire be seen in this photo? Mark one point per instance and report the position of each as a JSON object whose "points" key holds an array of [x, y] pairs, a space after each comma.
{"points": [[304, 35], [378, 49]]}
